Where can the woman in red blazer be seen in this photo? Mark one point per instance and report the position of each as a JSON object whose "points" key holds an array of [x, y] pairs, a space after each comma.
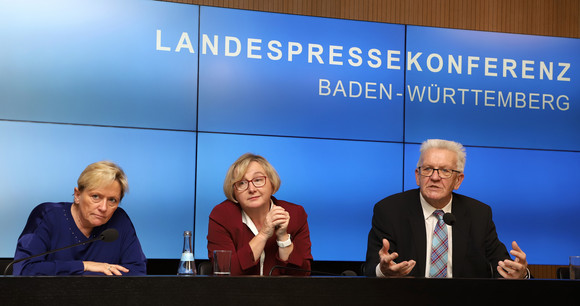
{"points": [[266, 236]]}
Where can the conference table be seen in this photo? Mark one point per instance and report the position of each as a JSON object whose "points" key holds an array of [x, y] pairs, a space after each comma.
{"points": [[280, 290]]}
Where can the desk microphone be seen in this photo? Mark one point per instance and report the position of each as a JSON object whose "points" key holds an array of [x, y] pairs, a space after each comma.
{"points": [[344, 273], [348, 273], [107, 235], [449, 219]]}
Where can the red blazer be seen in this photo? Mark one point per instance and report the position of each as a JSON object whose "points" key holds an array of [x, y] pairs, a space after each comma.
{"points": [[227, 232]]}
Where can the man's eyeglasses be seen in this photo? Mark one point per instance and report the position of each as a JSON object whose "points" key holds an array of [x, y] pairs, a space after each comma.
{"points": [[443, 173], [258, 182]]}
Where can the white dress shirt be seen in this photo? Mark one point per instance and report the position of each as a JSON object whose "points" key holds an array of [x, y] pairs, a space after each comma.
{"points": [[250, 224]]}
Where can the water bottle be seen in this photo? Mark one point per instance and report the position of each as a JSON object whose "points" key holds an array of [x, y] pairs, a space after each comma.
{"points": [[187, 263]]}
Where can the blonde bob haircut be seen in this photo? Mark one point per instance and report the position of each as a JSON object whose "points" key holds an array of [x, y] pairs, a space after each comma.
{"points": [[238, 169], [101, 174]]}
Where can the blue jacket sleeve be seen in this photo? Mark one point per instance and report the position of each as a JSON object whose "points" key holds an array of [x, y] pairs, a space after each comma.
{"points": [[36, 239]]}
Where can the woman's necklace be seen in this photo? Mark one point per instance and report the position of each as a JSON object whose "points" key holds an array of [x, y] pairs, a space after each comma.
{"points": [[77, 221]]}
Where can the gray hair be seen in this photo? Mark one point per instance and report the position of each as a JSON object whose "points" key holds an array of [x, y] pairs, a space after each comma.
{"points": [[452, 146]]}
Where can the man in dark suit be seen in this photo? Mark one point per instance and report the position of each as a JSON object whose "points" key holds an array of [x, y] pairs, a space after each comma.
{"points": [[404, 234]]}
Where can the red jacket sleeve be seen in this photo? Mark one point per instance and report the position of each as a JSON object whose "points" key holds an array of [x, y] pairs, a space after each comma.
{"points": [[226, 231], [301, 256], [225, 234]]}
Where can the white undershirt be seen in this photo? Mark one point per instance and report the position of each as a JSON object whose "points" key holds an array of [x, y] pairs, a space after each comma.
{"points": [[430, 222], [250, 224]]}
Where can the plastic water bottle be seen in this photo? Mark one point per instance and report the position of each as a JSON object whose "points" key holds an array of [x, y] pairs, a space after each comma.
{"points": [[187, 263]]}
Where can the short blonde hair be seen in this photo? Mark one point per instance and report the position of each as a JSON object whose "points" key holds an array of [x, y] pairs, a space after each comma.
{"points": [[452, 146], [238, 169], [100, 174]]}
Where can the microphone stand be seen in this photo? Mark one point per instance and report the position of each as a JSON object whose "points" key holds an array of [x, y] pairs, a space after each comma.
{"points": [[107, 235]]}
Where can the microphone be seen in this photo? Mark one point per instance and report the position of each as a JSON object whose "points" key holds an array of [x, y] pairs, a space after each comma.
{"points": [[348, 273], [344, 273], [108, 235], [449, 219]]}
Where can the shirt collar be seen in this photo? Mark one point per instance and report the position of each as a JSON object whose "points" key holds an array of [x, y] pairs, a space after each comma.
{"points": [[428, 209], [248, 221]]}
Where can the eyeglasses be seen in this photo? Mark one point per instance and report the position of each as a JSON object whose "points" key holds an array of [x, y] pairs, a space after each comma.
{"points": [[258, 182], [443, 173]]}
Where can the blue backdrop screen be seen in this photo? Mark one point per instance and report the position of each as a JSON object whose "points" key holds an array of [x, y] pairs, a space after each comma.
{"points": [[350, 76], [175, 93], [327, 177], [104, 62], [492, 89]]}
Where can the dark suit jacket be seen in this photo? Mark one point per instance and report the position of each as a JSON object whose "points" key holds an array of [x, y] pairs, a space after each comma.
{"points": [[399, 219]]}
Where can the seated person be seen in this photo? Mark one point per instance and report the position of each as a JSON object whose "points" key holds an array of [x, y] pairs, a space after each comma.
{"points": [[51, 226], [410, 237], [261, 231]]}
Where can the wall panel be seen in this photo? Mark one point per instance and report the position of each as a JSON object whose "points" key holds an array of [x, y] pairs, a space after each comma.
{"points": [[537, 17]]}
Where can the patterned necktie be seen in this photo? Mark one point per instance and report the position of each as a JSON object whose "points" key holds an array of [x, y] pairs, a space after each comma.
{"points": [[439, 248]]}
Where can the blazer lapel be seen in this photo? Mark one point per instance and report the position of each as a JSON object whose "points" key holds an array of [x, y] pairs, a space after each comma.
{"points": [[417, 221], [460, 235]]}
